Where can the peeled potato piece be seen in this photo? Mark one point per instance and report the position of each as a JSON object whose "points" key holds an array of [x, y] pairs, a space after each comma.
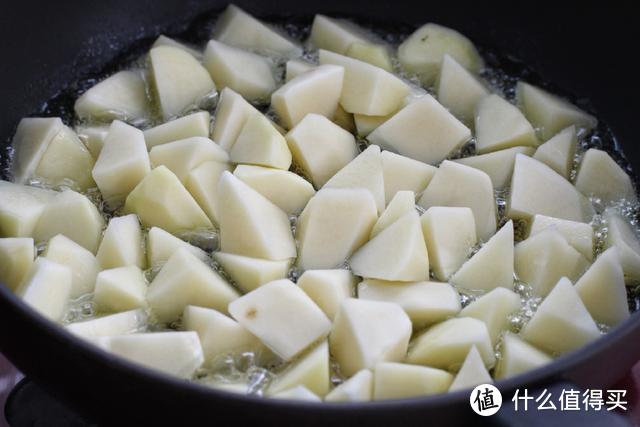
{"points": [[161, 245], [93, 137], [335, 223], [122, 96], [232, 112], [163, 40], [372, 53], [403, 173], [297, 393], [518, 356], [498, 164], [578, 234], [399, 381], [311, 371], [562, 323], [600, 176], [458, 90], [367, 124], [21, 207], [328, 288], [194, 124], [250, 273], [46, 288], [559, 151], [282, 316], [472, 373], [84, 266], [621, 235], [368, 332], [31, 140], [336, 35], [358, 388], [120, 289], [402, 203], [202, 184], [450, 234], [260, 143], [127, 322], [16, 259], [184, 155], [494, 308], [295, 67]]}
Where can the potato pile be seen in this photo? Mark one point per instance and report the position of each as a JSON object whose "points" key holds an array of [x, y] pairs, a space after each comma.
{"points": [[386, 264]]}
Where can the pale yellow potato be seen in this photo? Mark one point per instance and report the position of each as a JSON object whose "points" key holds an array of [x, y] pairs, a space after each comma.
{"points": [[184, 155], [403, 173], [260, 143], [601, 177], [367, 124], [358, 388], [328, 288], [399, 381], [402, 203], [250, 273], [21, 207], [372, 53], [47, 288], [31, 140], [93, 137], [518, 356], [194, 124], [83, 264], [578, 234], [472, 373], [336, 35], [232, 112], [163, 40], [16, 259], [498, 164], [126, 322], [297, 393], [295, 67], [202, 184], [120, 289], [494, 309], [161, 245], [559, 151], [311, 370], [621, 235], [122, 244]]}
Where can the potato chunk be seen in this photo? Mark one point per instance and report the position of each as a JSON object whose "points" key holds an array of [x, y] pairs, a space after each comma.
{"points": [[84, 266], [498, 164], [310, 371], [518, 356], [93, 137], [403, 173], [336, 35], [202, 184], [191, 125], [298, 393], [358, 388], [46, 288], [459, 91], [621, 235], [163, 40], [399, 381], [403, 202], [21, 207], [600, 176], [295, 67], [161, 245], [184, 155], [559, 151], [578, 234], [127, 322], [500, 125], [31, 140], [472, 373], [328, 288], [494, 308], [120, 289], [250, 273], [232, 113], [260, 143], [16, 259], [376, 54]]}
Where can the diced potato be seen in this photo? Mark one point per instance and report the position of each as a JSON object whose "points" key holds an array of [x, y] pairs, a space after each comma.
{"points": [[260, 143], [122, 244], [336, 35], [163, 40], [562, 323], [282, 316], [335, 223], [602, 289], [494, 309], [446, 345], [187, 280], [16, 259], [358, 388], [315, 91], [498, 164], [538, 189], [161, 200], [368, 332], [297, 393], [122, 96], [21, 207], [424, 302], [47, 288], [399, 381], [422, 53], [472, 373], [161, 245], [184, 155], [499, 125], [84, 266], [245, 72], [236, 27], [123, 162], [543, 259], [458, 90], [578, 234], [179, 81], [450, 235], [600, 176], [295, 67], [310, 371], [249, 273], [621, 235], [250, 224], [367, 89], [492, 266], [195, 124], [398, 253], [31, 140], [518, 356], [202, 183], [73, 215], [402, 203], [367, 124], [549, 113], [93, 137], [127, 322], [120, 289], [372, 53], [174, 353], [559, 151], [328, 288], [320, 148], [403, 173], [232, 113]]}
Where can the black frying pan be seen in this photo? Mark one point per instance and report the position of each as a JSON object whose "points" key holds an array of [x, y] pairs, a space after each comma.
{"points": [[587, 51]]}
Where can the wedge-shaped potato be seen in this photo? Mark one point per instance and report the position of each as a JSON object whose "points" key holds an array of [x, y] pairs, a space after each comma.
{"points": [[161, 245], [543, 259], [336, 35], [400, 381], [422, 53], [21, 207], [320, 148], [358, 388], [562, 323], [194, 124], [232, 113], [282, 316], [498, 164], [310, 371], [549, 113], [559, 151], [250, 224], [249, 273], [398, 253], [372, 53], [122, 96], [123, 162], [161, 200], [538, 189], [120, 289], [472, 373], [494, 308], [424, 302], [403, 173], [367, 89], [219, 335], [335, 223], [46, 288], [163, 40], [578, 234], [403, 202], [367, 332], [202, 184], [174, 353], [295, 67], [315, 91], [602, 289], [328, 288], [260, 143], [122, 244], [450, 235], [187, 280], [297, 393], [600, 176], [518, 356], [458, 90], [73, 215], [16, 259], [127, 322], [93, 137], [621, 235], [84, 266], [184, 155], [245, 72], [31, 140], [492, 266], [447, 344], [367, 124], [236, 27]]}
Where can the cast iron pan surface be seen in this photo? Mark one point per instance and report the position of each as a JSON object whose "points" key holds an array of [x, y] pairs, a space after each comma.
{"points": [[47, 45]]}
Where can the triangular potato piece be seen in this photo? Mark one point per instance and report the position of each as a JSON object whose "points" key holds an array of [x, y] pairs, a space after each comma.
{"points": [[403, 173], [232, 113], [260, 143], [578, 234], [311, 371], [161, 245], [497, 164], [358, 388], [402, 380], [121, 244], [16, 258], [195, 124], [184, 155], [249, 273], [623, 236], [400, 204], [600, 176], [47, 288], [472, 373], [494, 308], [120, 289], [518, 356], [558, 152], [328, 288], [499, 125], [336, 35], [83, 264], [202, 184]]}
